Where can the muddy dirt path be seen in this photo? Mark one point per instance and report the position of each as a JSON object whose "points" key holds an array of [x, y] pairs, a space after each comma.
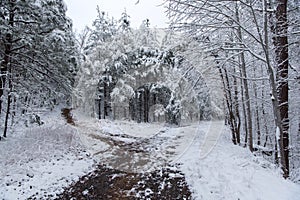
{"points": [[130, 153], [131, 167]]}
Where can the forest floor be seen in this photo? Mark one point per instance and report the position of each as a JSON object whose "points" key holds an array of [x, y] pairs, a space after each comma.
{"points": [[102, 159]]}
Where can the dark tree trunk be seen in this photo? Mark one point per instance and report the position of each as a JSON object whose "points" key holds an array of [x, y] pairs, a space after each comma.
{"points": [[244, 113], [146, 106], [228, 101], [104, 101], [237, 112], [7, 52], [281, 53], [257, 117], [140, 102], [7, 115], [6, 64], [264, 117], [13, 113], [9, 101], [99, 108], [245, 84]]}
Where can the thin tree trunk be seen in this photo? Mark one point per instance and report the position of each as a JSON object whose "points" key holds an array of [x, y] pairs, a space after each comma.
{"points": [[105, 101], [7, 115], [13, 114], [231, 113], [228, 101], [99, 107], [265, 118], [244, 110], [114, 111], [264, 111], [8, 103], [276, 158], [236, 107], [247, 102], [258, 132], [245, 83], [146, 107]]}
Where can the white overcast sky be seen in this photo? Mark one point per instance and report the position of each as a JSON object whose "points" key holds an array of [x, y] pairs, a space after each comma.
{"points": [[83, 12]]}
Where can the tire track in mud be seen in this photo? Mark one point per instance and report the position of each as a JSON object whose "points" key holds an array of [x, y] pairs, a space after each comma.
{"points": [[136, 155], [134, 167]]}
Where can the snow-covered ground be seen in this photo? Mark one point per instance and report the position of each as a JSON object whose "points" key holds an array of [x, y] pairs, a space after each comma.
{"points": [[231, 172], [42, 160]]}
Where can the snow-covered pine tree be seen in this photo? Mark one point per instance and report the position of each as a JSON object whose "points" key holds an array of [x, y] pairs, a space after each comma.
{"points": [[146, 36], [102, 30], [38, 56], [124, 23]]}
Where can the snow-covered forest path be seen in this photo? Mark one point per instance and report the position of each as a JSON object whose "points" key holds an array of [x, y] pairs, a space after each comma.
{"points": [[213, 167], [103, 158], [135, 147]]}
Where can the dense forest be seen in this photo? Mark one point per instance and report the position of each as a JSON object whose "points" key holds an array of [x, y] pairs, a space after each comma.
{"points": [[232, 60]]}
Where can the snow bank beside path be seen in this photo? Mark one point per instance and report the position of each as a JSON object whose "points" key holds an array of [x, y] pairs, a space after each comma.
{"points": [[232, 172], [41, 161]]}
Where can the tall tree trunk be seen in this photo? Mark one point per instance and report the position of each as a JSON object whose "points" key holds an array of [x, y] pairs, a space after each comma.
{"points": [[231, 112], [6, 64], [228, 100], [258, 132], [8, 105], [276, 158], [14, 108], [7, 52], [105, 100], [245, 83], [236, 108], [279, 87], [99, 107], [244, 110], [264, 112], [281, 52], [273, 85]]}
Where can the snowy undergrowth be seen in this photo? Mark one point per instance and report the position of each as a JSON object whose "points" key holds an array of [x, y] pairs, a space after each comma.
{"points": [[232, 172], [41, 160]]}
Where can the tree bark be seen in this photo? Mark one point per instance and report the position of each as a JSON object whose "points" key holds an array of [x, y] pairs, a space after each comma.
{"points": [[264, 112], [7, 51], [244, 110], [6, 64], [228, 100], [245, 83], [258, 132], [104, 100], [8, 104], [280, 41], [236, 107]]}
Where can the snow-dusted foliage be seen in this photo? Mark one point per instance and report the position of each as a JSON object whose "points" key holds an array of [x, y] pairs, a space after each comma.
{"points": [[115, 82], [96, 63], [115, 69], [37, 56]]}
